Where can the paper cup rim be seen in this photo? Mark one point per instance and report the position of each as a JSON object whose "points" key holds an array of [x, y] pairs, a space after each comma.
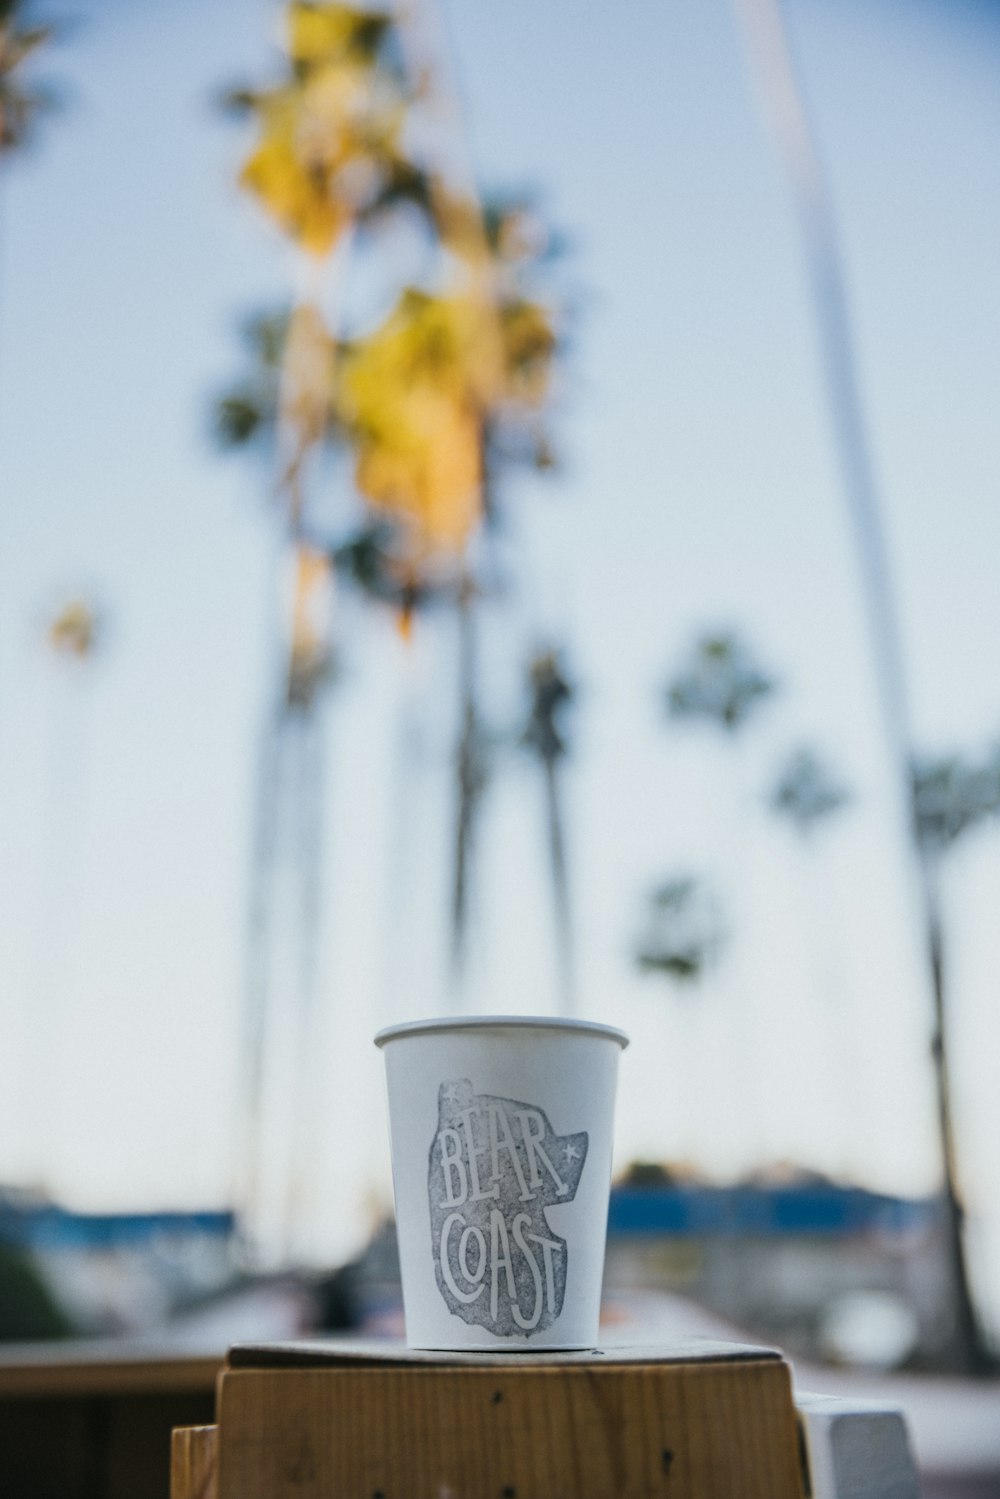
{"points": [[500, 1022]]}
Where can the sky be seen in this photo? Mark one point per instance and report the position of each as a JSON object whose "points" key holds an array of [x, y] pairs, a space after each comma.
{"points": [[698, 487]]}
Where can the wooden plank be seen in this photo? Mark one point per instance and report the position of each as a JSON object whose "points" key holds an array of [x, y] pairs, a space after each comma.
{"points": [[696, 1430], [194, 1462], [82, 1369]]}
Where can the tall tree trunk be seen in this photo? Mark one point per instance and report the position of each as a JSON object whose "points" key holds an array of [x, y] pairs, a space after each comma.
{"points": [[257, 981], [560, 885], [308, 794], [468, 778], [781, 99], [971, 1350]]}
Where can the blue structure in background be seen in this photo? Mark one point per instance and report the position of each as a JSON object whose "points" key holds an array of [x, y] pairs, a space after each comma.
{"points": [[763, 1212], [662, 1210], [48, 1226]]}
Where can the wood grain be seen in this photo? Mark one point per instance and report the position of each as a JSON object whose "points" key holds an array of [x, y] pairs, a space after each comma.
{"points": [[194, 1463], [75, 1370], [708, 1430]]}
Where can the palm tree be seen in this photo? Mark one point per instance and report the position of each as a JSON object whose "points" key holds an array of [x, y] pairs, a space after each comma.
{"points": [[329, 133], [681, 941], [684, 933], [436, 414], [720, 682], [546, 735], [949, 798], [469, 374], [426, 404], [21, 102], [807, 793], [782, 100], [722, 685], [472, 774]]}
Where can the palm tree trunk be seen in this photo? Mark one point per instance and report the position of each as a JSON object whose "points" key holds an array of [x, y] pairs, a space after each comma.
{"points": [[257, 981], [780, 94], [560, 885], [468, 775], [308, 793], [971, 1350]]}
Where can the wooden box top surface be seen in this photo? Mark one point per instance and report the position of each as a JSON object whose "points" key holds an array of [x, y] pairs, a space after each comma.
{"points": [[373, 1353]]}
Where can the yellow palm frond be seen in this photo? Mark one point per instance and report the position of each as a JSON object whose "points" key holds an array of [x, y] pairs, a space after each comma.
{"points": [[424, 468], [326, 142], [417, 393], [316, 33]]}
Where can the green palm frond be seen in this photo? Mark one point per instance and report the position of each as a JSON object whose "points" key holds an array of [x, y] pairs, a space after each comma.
{"points": [[806, 791], [951, 796], [684, 931], [721, 682]]}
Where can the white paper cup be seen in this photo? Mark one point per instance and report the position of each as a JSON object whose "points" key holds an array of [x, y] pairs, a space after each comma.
{"points": [[501, 1130]]}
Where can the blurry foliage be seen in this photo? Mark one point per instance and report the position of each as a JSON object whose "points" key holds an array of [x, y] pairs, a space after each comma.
{"points": [[551, 695], [425, 403], [28, 1310], [330, 134], [250, 410], [21, 102], [413, 395], [371, 559], [451, 383], [684, 931], [444, 389], [807, 792], [651, 1174], [422, 395], [720, 682], [951, 796]]}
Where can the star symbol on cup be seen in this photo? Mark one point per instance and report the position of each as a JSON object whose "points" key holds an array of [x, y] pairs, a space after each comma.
{"points": [[572, 1152]]}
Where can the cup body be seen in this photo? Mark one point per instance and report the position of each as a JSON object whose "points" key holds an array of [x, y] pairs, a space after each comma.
{"points": [[501, 1131]]}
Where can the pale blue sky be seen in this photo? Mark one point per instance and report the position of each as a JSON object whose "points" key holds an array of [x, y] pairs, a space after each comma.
{"points": [[699, 486]]}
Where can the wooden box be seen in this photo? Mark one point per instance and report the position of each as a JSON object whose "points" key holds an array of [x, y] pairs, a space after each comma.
{"points": [[357, 1421]]}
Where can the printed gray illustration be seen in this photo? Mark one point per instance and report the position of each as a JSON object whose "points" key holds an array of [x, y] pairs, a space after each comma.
{"points": [[495, 1166]]}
